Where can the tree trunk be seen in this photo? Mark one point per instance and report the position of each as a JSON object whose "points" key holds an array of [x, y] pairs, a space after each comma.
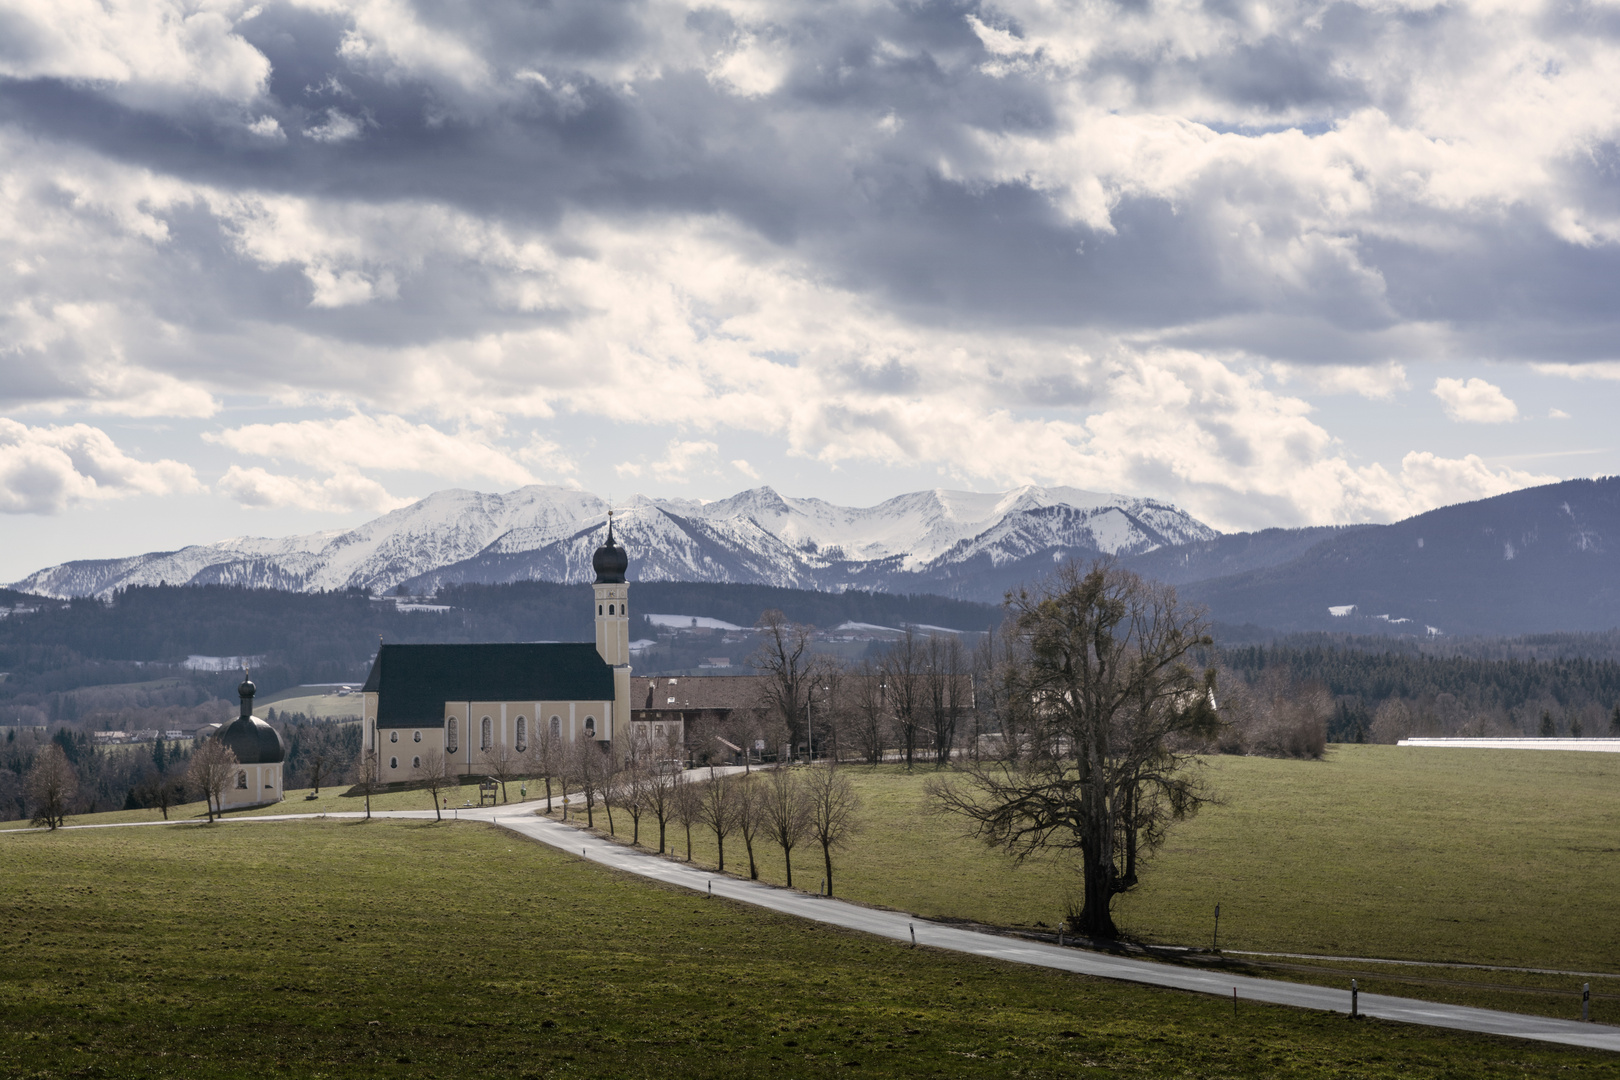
{"points": [[826, 853], [787, 860]]}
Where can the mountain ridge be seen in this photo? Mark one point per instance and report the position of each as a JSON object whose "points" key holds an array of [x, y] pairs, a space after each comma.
{"points": [[919, 542]]}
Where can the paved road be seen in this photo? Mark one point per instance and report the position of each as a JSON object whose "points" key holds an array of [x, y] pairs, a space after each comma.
{"points": [[900, 927]]}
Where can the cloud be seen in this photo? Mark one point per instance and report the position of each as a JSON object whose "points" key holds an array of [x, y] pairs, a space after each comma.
{"points": [[746, 469], [1378, 382], [358, 442], [45, 470], [681, 459], [1065, 243], [1556, 413], [1475, 401], [1429, 481], [344, 491]]}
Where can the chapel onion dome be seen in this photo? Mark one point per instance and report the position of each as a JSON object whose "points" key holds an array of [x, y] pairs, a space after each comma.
{"points": [[610, 561], [253, 741]]}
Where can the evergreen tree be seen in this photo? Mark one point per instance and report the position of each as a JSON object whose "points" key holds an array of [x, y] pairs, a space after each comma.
{"points": [[1547, 728], [159, 759]]}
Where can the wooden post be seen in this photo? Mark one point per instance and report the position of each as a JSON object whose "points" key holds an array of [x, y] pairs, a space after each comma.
{"points": [[1586, 1002], [1215, 942], [1354, 993]]}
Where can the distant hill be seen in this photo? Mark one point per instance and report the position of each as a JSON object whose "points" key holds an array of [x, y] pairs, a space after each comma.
{"points": [[1540, 560]]}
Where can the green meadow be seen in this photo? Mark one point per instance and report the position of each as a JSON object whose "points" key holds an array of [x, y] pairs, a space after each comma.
{"points": [[416, 949], [1454, 856], [1497, 858]]}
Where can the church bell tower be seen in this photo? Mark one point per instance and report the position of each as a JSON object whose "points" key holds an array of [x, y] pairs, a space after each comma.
{"points": [[612, 601]]}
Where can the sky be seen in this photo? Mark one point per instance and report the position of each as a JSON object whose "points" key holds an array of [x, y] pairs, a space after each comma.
{"points": [[280, 267]]}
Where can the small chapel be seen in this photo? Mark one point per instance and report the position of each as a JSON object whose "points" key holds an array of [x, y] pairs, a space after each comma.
{"points": [[468, 700], [259, 756]]}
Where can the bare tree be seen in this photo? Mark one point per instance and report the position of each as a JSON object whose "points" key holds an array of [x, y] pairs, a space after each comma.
{"points": [[612, 778], [717, 808], [869, 702], [751, 820], [158, 788], [785, 661], [503, 764], [785, 809], [320, 761], [833, 805], [902, 668], [213, 764], [632, 794], [565, 762], [590, 772], [51, 787], [543, 757], [436, 775], [687, 808], [364, 774], [1104, 659], [946, 688], [661, 784]]}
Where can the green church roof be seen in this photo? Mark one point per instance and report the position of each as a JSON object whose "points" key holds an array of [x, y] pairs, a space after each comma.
{"points": [[413, 682]]}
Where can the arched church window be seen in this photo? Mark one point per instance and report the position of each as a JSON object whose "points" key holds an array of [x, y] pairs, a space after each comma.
{"points": [[590, 727], [486, 735], [522, 735], [556, 727], [393, 736], [393, 763], [417, 737], [416, 763], [241, 780], [450, 735], [610, 609]]}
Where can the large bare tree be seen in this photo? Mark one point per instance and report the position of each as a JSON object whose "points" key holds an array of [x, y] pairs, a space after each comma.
{"points": [[213, 767], [833, 805], [787, 665], [51, 787], [1104, 661]]}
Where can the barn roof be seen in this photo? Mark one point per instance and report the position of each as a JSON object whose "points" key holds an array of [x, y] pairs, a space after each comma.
{"points": [[413, 682]]}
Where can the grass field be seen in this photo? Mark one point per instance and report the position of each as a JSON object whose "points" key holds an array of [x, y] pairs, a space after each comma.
{"points": [[424, 950], [316, 706], [1486, 857]]}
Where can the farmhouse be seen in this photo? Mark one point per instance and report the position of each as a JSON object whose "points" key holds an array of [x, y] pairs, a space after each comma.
{"points": [[468, 702]]}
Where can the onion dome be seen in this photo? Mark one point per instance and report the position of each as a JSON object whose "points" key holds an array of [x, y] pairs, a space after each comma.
{"points": [[610, 561], [253, 741]]}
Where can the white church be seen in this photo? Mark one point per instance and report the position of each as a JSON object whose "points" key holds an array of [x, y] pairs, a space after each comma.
{"points": [[468, 700]]}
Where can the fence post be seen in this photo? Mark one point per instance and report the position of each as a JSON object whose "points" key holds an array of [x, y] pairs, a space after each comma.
{"points": [[1586, 1002], [1354, 993]]}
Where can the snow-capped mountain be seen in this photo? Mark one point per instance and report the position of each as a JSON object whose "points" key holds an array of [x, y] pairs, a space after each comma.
{"points": [[959, 543]]}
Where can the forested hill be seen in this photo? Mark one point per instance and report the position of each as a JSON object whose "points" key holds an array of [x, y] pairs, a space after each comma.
{"points": [[330, 637]]}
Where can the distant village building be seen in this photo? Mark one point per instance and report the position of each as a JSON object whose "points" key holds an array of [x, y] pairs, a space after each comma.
{"points": [[467, 701], [259, 756]]}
